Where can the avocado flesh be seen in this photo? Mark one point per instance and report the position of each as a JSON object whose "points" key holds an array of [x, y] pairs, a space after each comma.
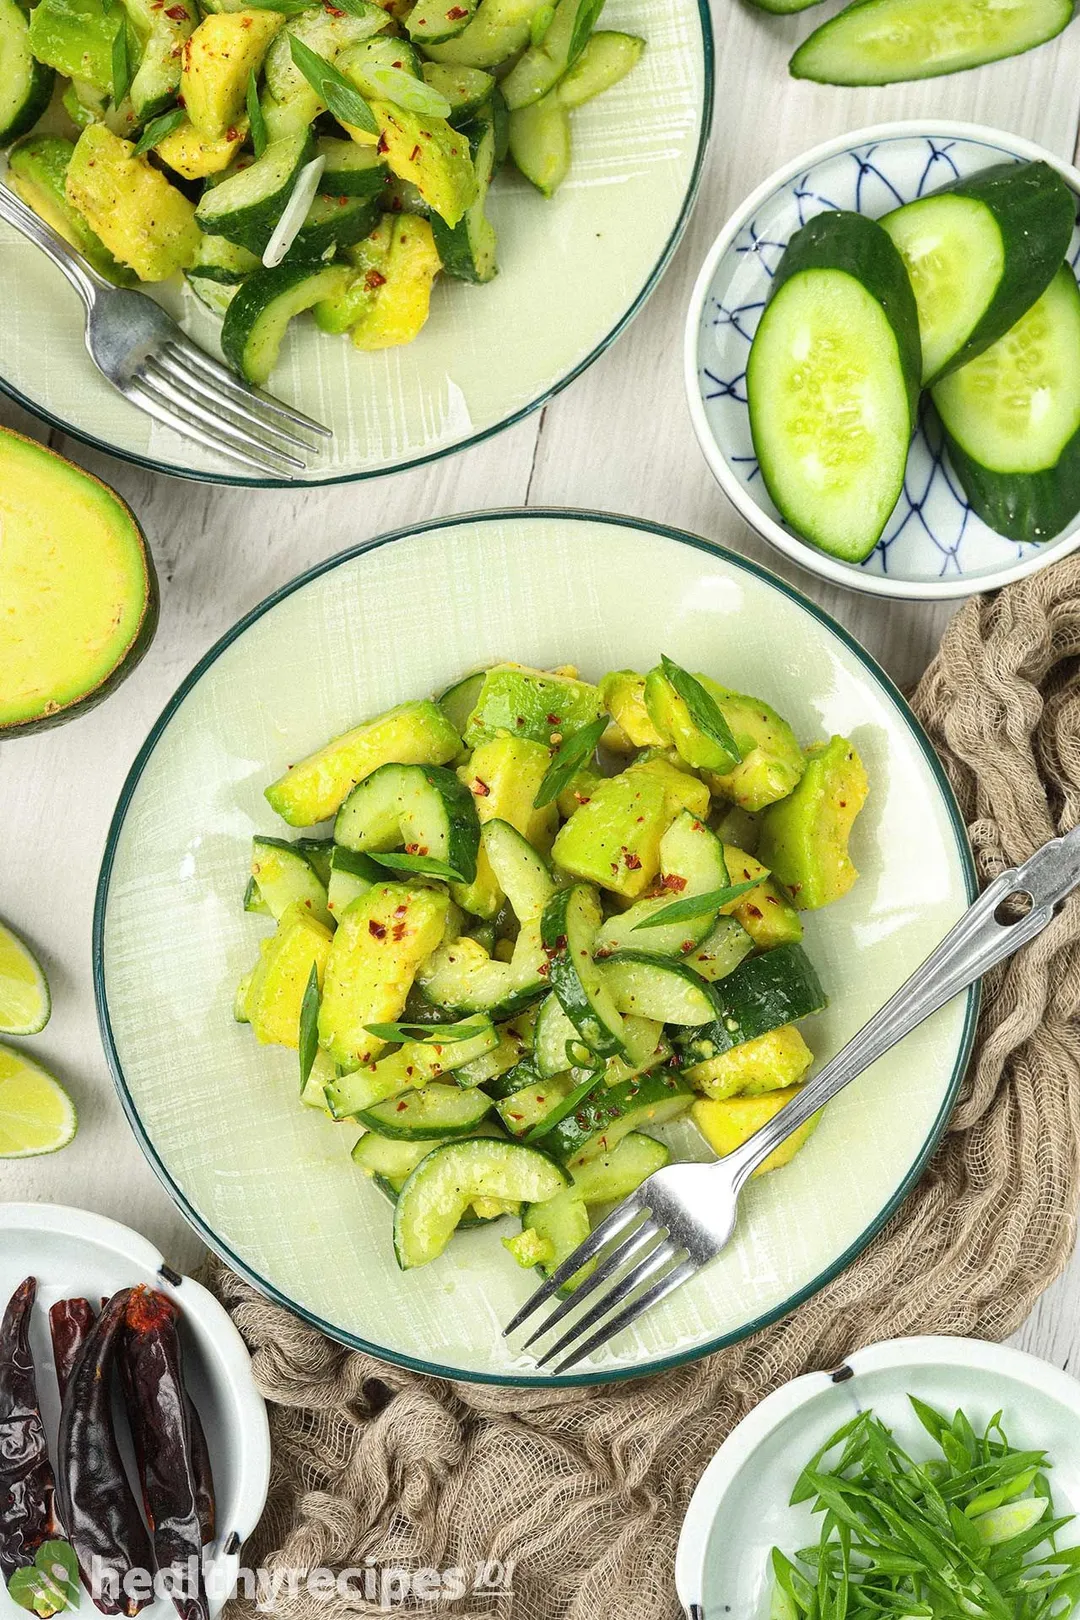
{"points": [[78, 595]]}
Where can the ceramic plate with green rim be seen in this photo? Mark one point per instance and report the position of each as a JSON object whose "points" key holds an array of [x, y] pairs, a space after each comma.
{"points": [[270, 1184], [572, 271]]}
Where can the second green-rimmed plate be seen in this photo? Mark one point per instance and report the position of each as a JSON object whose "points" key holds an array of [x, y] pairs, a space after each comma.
{"points": [[269, 1184], [572, 272]]}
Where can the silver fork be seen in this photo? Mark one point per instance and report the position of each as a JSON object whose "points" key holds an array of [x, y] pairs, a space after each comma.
{"points": [[682, 1216], [154, 364]]}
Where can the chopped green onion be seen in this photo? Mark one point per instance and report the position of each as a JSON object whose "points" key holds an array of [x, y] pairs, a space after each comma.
{"points": [[156, 130], [697, 905], [309, 1027], [570, 755], [417, 863], [702, 708], [255, 116], [342, 98]]}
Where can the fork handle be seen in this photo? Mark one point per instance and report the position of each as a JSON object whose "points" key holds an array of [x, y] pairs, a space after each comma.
{"points": [[85, 280], [977, 943]]}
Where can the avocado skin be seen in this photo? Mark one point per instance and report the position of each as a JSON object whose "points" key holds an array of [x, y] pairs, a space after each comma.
{"points": [[140, 642]]}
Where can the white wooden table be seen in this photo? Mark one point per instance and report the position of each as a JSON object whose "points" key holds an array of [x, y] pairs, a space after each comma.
{"points": [[619, 439]]}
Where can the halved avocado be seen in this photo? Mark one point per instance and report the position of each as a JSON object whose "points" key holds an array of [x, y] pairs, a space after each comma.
{"points": [[78, 592]]}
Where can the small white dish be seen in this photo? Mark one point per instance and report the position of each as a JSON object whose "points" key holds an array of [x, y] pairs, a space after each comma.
{"points": [[933, 547], [77, 1255], [740, 1509]]}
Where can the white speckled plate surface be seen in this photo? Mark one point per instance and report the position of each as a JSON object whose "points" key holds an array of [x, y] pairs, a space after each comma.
{"points": [[933, 545], [741, 1510], [270, 1184], [572, 271]]}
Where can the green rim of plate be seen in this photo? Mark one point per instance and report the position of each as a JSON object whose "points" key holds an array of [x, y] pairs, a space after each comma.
{"points": [[708, 55], [268, 1289]]}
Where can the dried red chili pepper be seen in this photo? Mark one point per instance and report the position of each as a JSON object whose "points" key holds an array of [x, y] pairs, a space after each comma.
{"points": [[204, 1478], [96, 1503], [158, 1409], [70, 1321], [27, 1491]]}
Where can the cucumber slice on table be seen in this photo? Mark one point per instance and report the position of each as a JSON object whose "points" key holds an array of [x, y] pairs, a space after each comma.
{"points": [[257, 318], [763, 993], [886, 41], [1013, 420], [447, 1181], [979, 253], [833, 383], [423, 807], [568, 929], [26, 84]]}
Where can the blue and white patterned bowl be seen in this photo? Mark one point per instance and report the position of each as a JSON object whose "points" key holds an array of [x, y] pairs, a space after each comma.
{"points": [[933, 546]]}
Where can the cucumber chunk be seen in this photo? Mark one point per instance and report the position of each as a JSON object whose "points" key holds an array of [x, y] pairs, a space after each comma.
{"points": [[769, 1062], [26, 85], [607, 58], [568, 929], [805, 837], [468, 250], [540, 142], [351, 875], [550, 1232], [763, 993], [285, 877], [979, 253], [611, 1176], [432, 1113], [610, 1113], [37, 169], [532, 1111], [832, 383], [727, 1124], [658, 987], [542, 65], [725, 946], [431, 21], [351, 170], [466, 89], [414, 1064], [498, 31], [257, 318], [423, 807], [447, 1181], [887, 41], [247, 205], [533, 703], [557, 1046]]}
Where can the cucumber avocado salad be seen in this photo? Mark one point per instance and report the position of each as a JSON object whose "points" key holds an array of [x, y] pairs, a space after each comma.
{"points": [[965, 293], [289, 156], [550, 917], [888, 41]]}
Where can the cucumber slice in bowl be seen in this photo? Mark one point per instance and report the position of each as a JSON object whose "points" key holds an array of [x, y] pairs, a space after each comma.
{"points": [[833, 382], [424, 807], [568, 929], [447, 1181], [888, 41], [1012, 417], [432, 1113], [979, 253]]}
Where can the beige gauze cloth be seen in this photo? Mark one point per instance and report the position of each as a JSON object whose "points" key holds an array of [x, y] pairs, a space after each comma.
{"points": [[583, 1491]]}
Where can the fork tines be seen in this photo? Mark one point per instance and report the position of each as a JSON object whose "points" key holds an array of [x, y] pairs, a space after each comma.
{"points": [[643, 1264], [193, 393]]}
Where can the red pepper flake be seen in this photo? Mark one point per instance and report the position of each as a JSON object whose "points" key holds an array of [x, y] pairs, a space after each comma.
{"points": [[376, 929], [554, 720], [543, 970], [519, 720], [673, 882], [633, 862], [177, 13], [414, 154], [399, 911], [373, 280], [456, 13], [582, 798], [399, 932], [687, 946], [480, 788], [416, 849], [752, 911], [335, 11], [401, 1106], [383, 144], [697, 826], [601, 954]]}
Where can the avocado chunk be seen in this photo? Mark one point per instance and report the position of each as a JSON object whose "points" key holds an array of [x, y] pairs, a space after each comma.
{"points": [[431, 154], [218, 60], [77, 585], [534, 703], [195, 156], [503, 776], [315, 788], [139, 216], [613, 840], [398, 289], [727, 1124], [274, 995], [770, 1062], [685, 791], [769, 916], [380, 942], [623, 695], [772, 762], [671, 716], [804, 838], [76, 38], [37, 167]]}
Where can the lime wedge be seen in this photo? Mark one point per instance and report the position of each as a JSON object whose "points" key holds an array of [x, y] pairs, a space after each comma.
{"points": [[36, 1113], [25, 1003]]}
